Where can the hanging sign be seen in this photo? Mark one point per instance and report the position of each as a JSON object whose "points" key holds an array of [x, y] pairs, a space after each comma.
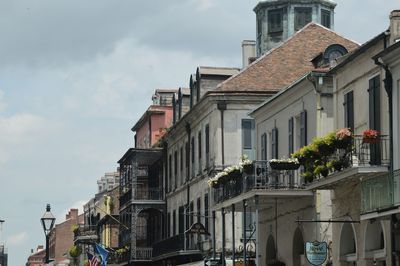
{"points": [[316, 252]]}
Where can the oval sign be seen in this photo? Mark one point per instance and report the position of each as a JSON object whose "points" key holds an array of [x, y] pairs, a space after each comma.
{"points": [[316, 252]]}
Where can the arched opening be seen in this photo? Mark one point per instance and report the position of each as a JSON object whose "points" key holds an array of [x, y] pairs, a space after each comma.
{"points": [[298, 247], [271, 251], [347, 242], [374, 237]]}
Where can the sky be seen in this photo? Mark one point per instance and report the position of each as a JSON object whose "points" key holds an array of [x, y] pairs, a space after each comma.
{"points": [[76, 75]]}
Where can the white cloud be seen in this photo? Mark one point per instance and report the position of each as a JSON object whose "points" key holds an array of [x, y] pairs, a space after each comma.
{"points": [[18, 239], [204, 4], [18, 130]]}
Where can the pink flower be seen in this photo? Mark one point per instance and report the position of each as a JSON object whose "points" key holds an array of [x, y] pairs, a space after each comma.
{"points": [[343, 133]]}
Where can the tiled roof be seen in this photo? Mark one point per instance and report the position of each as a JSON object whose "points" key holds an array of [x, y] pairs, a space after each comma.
{"points": [[283, 65]]}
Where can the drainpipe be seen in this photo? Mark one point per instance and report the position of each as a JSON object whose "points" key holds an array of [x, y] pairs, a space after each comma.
{"points": [[222, 107], [389, 88]]}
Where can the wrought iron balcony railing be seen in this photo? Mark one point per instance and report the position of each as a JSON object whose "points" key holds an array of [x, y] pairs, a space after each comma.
{"points": [[261, 177], [141, 194], [172, 244]]}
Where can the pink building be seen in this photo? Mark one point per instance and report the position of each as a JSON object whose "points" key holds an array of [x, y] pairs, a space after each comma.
{"points": [[156, 120]]}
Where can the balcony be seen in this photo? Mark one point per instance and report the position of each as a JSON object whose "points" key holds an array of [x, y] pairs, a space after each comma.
{"points": [[174, 246], [363, 160], [85, 234], [262, 180], [143, 254], [141, 194], [380, 193]]}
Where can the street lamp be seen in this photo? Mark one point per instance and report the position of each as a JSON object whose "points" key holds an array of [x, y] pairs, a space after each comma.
{"points": [[47, 220]]}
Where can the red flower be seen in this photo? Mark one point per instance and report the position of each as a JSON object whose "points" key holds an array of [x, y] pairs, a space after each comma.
{"points": [[370, 134]]}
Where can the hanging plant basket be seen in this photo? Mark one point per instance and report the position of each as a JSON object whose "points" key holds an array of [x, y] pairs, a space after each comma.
{"points": [[284, 165], [248, 169], [371, 140]]}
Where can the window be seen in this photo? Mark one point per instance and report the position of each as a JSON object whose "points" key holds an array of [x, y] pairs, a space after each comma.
{"points": [[375, 116], [264, 147], [247, 137], [181, 220], [193, 155], [275, 20], [291, 136], [207, 133], [169, 224], [302, 16], [274, 143], [174, 222], [206, 211], [170, 172], [349, 110], [181, 159], [326, 18], [303, 128], [175, 168], [199, 151], [259, 31], [187, 157], [191, 214], [198, 209]]}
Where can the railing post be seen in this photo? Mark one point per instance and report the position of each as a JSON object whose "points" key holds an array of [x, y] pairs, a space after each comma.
{"points": [[223, 236], [213, 234], [244, 232], [233, 234]]}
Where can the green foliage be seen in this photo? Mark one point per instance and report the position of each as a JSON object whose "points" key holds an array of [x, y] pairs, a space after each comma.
{"points": [[321, 170], [74, 228], [75, 251]]}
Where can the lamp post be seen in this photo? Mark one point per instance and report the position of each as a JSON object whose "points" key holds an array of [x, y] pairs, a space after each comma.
{"points": [[47, 220]]}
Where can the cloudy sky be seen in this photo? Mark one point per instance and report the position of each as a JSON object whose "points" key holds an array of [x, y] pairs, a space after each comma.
{"points": [[76, 75]]}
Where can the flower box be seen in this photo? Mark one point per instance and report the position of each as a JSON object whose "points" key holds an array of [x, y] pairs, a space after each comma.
{"points": [[371, 136]]}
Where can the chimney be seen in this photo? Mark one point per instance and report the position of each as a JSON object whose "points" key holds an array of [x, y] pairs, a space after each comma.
{"points": [[248, 52], [394, 26]]}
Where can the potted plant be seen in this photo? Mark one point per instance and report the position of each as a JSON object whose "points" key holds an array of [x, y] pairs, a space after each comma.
{"points": [[234, 171], [284, 164], [336, 165], [247, 165], [343, 138], [75, 251], [325, 145], [308, 176], [321, 170], [370, 136]]}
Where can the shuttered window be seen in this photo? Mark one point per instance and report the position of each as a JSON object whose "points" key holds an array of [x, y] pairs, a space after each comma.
{"points": [[264, 147], [303, 128], [326, 18], [206, 211], [207, 135], [375, 116], [274, 143], [349, 110], [302, 16], [291, 136], [174, 223], [181, 220], [275, 20]]}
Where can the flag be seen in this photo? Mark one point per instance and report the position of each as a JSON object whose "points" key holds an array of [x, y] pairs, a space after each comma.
{"points": [[93, 261], [103, 254]]}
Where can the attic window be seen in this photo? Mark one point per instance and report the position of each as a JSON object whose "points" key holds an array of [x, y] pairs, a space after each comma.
{"points": [[275, 20], [326, 18], [302, 16]]}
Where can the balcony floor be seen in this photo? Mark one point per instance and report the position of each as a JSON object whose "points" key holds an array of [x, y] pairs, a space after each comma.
{"points": [[265, 196], [347, 176]]}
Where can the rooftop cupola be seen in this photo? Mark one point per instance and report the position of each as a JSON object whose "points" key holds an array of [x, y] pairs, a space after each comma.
{"points": [[277, 20]]}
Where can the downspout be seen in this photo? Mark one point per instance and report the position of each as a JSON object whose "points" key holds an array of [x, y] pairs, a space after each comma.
{"points": [[222, 107], [389, 89], [165, 151]]}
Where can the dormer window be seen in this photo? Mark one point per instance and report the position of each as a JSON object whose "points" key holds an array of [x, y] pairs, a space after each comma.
{"points": [[302, 16], [275, 20], [326, 18]]}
